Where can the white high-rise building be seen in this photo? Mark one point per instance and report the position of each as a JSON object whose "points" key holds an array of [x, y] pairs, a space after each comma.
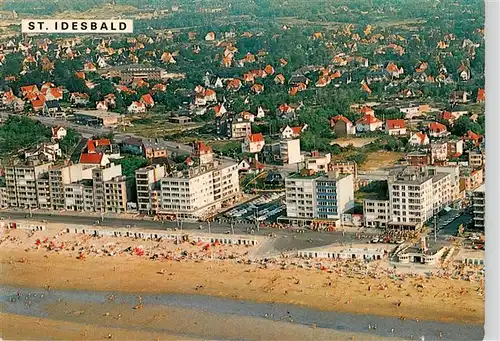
{"points": [[415, 197], [318, 196], [200, 191]]}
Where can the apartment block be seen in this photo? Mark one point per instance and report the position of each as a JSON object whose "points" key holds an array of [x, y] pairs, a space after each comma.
{"points": [[376, 213], [476, 159], [199, 191], [115, 192], [21, 183], [312, 195], [416, 196], [100, 176], [148, 186], [478, 202], [3, 197], [290, 151], [62, 175], [75, 187]]}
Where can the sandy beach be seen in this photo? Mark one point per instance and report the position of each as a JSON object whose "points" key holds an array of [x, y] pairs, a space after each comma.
{"points": [[23, 264]]}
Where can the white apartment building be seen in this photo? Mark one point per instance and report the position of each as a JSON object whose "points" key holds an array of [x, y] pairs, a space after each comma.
{"points": [[115, 192], [102, 178], [318, 196], [79, 196], [416, 197], [478, 202], [376, 213], [148, 183], [21, 184], [290, 151], [3, 197], [71, 187], [200, 191]]}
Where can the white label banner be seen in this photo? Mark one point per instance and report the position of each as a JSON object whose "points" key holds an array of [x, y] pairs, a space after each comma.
{"points": [[77, 26]]}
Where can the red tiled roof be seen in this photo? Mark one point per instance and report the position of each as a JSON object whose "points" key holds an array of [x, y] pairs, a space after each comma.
{"points": [[421, 136], [341, 118], [481, 94], [368, 119], [148, 99], [296, 130], [395, 124], [256, 137], [437, 127], [472, 136], [446, 115], [37, 103], [91, 158]]}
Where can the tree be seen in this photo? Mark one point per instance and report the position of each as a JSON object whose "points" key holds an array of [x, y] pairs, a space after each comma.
{"points": [[463, 125]]}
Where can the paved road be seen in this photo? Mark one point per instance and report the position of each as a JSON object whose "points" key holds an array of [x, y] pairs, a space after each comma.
{"points": [[290, 240], [88, 131]]}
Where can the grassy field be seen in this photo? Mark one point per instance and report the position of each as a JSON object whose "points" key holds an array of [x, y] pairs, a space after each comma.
{"points": [[380, 159], [356, 142]]}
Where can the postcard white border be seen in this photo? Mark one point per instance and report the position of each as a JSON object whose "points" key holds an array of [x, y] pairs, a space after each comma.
{"points": [[492, 213]]}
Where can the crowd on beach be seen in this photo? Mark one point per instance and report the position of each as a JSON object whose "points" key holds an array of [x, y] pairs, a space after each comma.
{"points": [[83, 246]]}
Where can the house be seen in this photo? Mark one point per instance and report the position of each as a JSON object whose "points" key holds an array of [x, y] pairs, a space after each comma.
{"points": [[58, 133], [393, 70], [52, 108], [366, 88], [253, 143], [472, 136], [167, 57], [481, 95], [419, 139], [89, 67], [45, 151], [102, 105], [260, 113], [155, 148], [464, 72], [110, 100], [322, 82], [210, 36], [38, 104], [414, 111], [292, 132], [269, 69], [341, 126], [132, 145], [159, 87], [234, 84], [80, 99], [53, 94], [219, 110], [395, 127], [257, 88], [136, 108], [459, 97], [368, 123], [98, 159], [28, 89], [147, 100], [437, 129]]}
